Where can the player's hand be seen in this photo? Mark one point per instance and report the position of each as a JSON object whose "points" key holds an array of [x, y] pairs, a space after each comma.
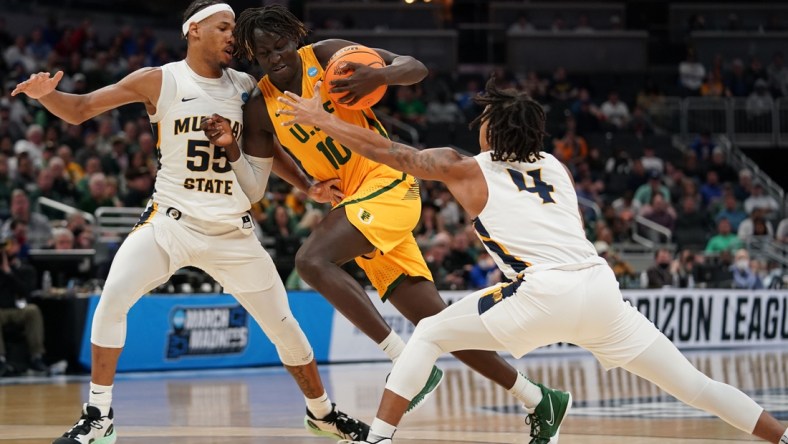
{"points": [[38, 85], [303, 111], [217, 130], [326, 191], [363, 81]]}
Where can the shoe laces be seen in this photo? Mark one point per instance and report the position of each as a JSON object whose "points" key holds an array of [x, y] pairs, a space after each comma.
{"points": [[83, 426], [535, 421], [348, 425]]}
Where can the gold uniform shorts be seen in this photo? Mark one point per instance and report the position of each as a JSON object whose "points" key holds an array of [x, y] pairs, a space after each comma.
{"points": [[386, 211]]}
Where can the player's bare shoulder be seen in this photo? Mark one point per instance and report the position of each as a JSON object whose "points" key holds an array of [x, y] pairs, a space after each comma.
{"points": [[147, 83]]}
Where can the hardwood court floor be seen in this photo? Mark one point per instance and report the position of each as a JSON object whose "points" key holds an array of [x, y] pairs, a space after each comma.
{"points": [[263, 405]]}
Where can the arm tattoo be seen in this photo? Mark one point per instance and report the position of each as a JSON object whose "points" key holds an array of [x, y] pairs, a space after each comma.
{"points": [[411, 158]]}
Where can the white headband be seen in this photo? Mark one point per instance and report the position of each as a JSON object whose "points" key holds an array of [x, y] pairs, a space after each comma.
{"points": [[203, 14]]}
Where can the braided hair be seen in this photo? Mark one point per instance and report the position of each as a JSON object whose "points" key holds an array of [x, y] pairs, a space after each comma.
{"points": [[515, 123], [275, 19]]}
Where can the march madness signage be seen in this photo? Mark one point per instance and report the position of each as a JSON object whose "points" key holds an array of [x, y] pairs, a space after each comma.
{"points": [[197, 331]]}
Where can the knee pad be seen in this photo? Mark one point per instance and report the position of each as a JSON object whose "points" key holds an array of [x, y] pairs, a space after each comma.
{"points": [[291, 344]]}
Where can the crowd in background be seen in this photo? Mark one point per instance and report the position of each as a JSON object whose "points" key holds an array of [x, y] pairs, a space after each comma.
{"points": [[111, 161]]}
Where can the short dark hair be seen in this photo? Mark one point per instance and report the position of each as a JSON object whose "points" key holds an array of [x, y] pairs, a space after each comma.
{"points": [[515, 123], [272, 18], [198, 5]]}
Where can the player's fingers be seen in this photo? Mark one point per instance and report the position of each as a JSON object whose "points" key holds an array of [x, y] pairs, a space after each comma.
{"points": [[340, 88], [58, 76], [289, 122], [318, 85], [348, 99], [293, 96], [287, 111], [331, 182], [348, 66]]}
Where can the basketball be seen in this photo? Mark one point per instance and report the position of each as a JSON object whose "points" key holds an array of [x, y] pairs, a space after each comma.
{"points": [[356, 54]]}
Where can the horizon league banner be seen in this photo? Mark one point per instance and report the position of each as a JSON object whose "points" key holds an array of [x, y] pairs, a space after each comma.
{"points": [[697, 318]]}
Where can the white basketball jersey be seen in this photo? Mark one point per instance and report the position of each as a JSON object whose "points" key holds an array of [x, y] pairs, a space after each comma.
{"points": [[531, 221], [195, 176]]}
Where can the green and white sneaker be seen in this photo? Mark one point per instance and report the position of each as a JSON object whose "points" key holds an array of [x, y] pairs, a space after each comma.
{"points": [[435, 379], [546, 418], [92, 428]]}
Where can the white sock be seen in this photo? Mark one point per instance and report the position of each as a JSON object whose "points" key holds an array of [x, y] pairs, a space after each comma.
{"points": [[526, 391], [320, 407], [380, 430], [101, 397], [392, 346], [784, 439]]}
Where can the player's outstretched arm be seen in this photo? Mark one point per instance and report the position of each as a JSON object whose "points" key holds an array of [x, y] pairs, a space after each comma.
{"points": [[442, 164], [142, 85]]}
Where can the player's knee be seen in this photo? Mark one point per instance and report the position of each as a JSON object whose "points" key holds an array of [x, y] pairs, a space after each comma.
{"points": [[308, 264], [291, 343]]}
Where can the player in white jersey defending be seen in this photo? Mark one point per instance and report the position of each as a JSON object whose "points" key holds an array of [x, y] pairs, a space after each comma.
{"points": [[198, 216], [525, 209]]}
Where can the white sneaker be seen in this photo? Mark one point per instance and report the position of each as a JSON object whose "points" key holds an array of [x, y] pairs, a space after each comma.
{"points": [[92, 428], [336, 425]]}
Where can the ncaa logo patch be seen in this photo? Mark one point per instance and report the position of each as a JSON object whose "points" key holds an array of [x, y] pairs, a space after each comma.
{"points": [[365, 216], [312, 71]]}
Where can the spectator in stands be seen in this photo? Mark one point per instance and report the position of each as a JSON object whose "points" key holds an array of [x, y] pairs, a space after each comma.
{"points": [[731, 210], [535, 86], [559, 24], [465, 99], [691, 225], [652, 162], [6, 186], [760, 104], [617, 170], [755, 226], [435, 256], [139, 187], [736, 81], [691, 74], [711, 191], [17, 280], [8, 126], [522, 25], [46, 188], [743, 275], [724, 240], [759, 199], [587, 114], [640, 124], [658, 275], [654, 185], [682, 270], [660, 211], [411, 109], [97, 194], [429, 224], [725, 173], [561, 88], [62, 239], [778, 75], [782, 231], [73, 170], [625, 273], [32, 144], [713, 86], [571, 148], [484, 273], [615, 112], [444, 111], [459, 262], [85, 238], [583, 25], [756, 71], [449, 211], [117, 160], [25, 176], [39, 231]]}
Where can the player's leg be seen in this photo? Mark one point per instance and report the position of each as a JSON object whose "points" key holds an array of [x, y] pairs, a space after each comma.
{"points": [[139, 266], [619, 335], [417, 298], [246, 270], [332, 243], [663, 364]]}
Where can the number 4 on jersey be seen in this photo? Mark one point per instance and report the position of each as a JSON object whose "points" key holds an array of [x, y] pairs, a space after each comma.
{"points": [[543, 189]]}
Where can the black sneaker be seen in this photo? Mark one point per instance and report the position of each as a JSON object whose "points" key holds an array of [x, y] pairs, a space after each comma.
{"points": [[37, 365], [336, 425], [92, 428]]}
